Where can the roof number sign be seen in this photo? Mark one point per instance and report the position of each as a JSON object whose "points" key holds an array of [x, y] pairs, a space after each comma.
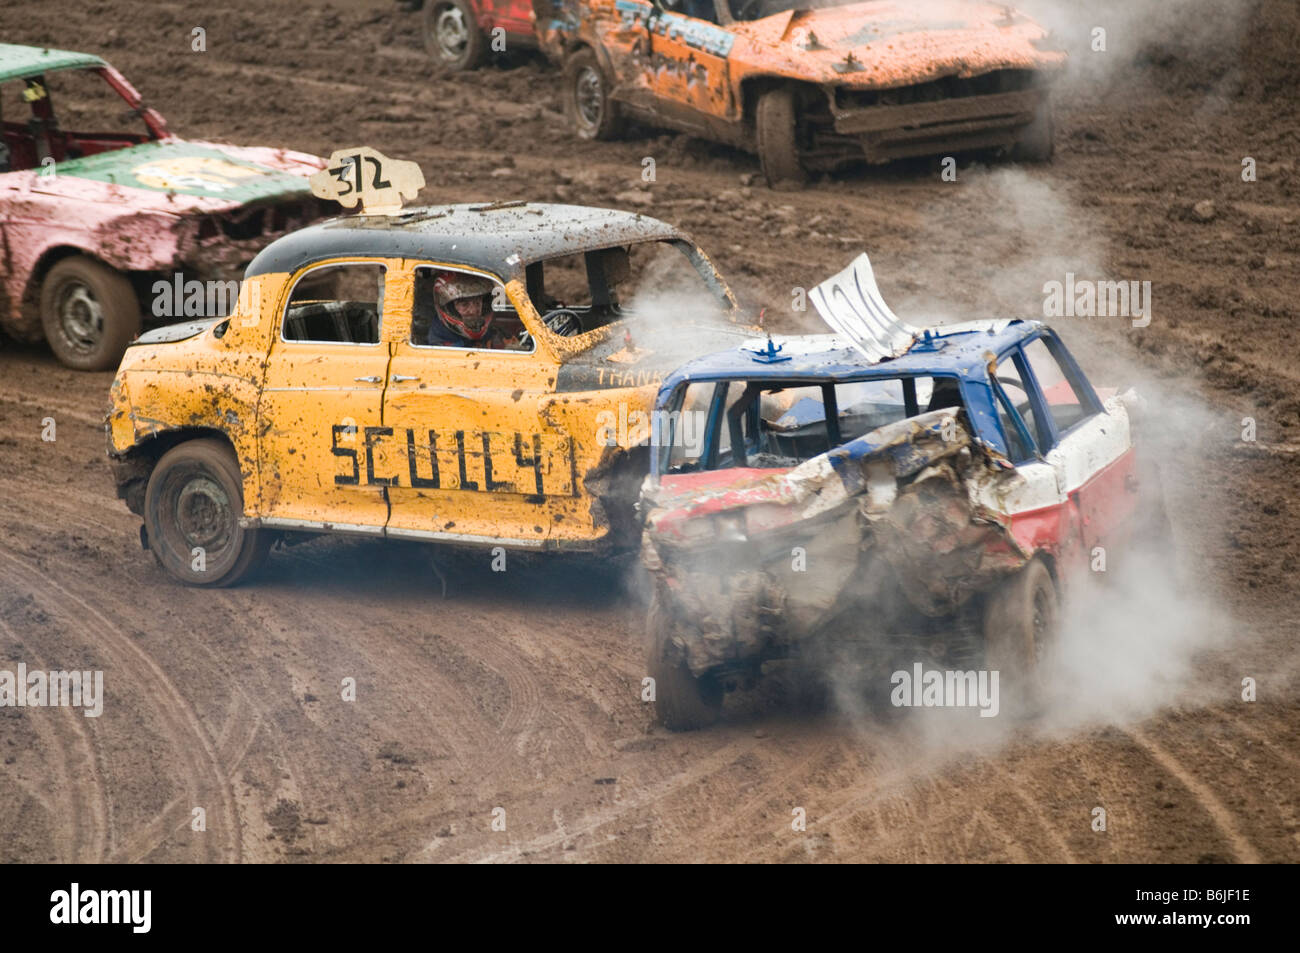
{"points": [[366, 176], [851, 303]]}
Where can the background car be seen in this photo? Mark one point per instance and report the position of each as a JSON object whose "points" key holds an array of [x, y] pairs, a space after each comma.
{"points": [[99, 201], [809, 89], [459, 33]]}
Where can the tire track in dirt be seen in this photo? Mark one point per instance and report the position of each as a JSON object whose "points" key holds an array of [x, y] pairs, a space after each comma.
{"points": [[1223, 819], [78, 794], [1015, 787], [643, 797], [189, 737], [503, 747], [142, 842], [56, 408], [1246, 728], [246, 718], [927, 800], [445, 705], [60, 515], [784, 778], [1271, 804], [302, 757], [438, 704]]}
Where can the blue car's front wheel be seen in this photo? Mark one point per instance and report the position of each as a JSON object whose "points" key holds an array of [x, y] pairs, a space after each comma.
{"points": [[683, 701]]}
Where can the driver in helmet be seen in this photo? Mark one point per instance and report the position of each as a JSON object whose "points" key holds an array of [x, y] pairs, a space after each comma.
{"points": [[462, 311]]}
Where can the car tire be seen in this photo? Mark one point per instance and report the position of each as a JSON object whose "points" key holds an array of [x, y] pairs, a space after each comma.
{"points": [[1021, 620], [195, 499], [591, 111], [1152, 540], [1037, 141], [683, 702], [452, 35], [89, 313], [776, 128]]}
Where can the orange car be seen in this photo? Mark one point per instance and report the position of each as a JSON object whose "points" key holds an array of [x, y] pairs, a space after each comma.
{"points": [[809, 90]]}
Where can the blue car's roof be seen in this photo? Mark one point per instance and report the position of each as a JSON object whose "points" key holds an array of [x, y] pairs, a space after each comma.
{"points": [[958, 350], [961, 351]]}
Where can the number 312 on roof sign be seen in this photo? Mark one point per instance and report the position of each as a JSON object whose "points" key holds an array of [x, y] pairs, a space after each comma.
{"points": [[367, 176]]}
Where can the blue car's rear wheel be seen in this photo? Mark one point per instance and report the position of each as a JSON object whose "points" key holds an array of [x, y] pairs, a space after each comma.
{"points": [[1021, 619]]}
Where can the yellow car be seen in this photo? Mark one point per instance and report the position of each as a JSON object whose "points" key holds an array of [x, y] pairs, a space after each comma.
{"points": [[466, 374]]}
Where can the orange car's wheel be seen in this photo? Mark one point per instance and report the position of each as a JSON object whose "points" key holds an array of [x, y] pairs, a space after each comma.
{"points": [[1037, 141], [593, 114], [89, 313], [452, 35], [777, 132], [192, 508]]}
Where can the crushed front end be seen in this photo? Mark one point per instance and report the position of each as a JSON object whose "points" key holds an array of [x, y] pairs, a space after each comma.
{"points": [[875, 543]]}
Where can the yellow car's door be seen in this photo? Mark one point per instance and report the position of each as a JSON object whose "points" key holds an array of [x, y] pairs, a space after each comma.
{"points": [[470, 456], [322, 401]]}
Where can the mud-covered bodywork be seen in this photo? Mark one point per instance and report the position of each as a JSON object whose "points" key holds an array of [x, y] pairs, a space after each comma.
{"points": [[536, 440], [141, 201], [932, 490], [877, 80]]}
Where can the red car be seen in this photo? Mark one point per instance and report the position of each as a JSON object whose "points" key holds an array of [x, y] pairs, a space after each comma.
{"points": [[460, 33]]}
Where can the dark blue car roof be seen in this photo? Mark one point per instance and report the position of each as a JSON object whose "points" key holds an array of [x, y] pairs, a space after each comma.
{"points": [[961, 351], [957, 352]]}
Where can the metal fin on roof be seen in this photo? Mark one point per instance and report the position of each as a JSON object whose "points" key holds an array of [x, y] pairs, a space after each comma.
{"points": [[851, 303]]}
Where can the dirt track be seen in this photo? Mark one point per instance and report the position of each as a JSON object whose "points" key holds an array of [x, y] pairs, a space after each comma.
{"points": [[522, 691]]}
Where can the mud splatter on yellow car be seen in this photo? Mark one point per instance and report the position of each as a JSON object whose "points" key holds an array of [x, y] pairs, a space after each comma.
{"points": [[465, 374]]}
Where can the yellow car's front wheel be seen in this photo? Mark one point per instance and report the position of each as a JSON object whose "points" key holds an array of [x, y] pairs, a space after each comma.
{"points": [[192, 508]]}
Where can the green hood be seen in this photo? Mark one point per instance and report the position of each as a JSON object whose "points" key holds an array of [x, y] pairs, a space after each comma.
{"points": [[186, 169], [19, 62]]}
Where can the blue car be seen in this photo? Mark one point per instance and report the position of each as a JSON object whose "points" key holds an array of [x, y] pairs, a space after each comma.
{"points": [[805, 498]]}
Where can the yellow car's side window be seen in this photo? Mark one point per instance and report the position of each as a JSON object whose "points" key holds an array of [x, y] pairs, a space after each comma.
{"points": [[336, 304], [460, 308]]}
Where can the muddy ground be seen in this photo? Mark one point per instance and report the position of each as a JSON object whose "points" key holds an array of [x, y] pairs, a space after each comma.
{"points": [[522, 691]]}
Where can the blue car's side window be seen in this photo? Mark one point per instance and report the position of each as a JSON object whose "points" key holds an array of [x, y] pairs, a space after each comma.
{"points": [[1066, 400], [1017, 407], [1021, 445]]}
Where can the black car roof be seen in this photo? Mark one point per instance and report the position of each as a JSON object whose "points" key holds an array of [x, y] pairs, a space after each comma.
{"points": [[502, 238]]}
